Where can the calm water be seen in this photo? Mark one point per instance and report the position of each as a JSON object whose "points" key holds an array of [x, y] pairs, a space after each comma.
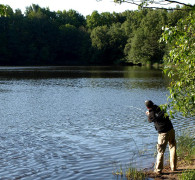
{"points": [[77, 122]]}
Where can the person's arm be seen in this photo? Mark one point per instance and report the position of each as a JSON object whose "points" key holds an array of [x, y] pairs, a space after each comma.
{"points": [[151, 117]]}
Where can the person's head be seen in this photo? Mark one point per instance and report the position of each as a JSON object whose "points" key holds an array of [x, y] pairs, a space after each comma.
{"points": [[149, 104]]}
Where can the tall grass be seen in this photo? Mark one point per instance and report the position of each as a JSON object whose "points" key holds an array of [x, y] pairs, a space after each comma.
{"points": [[133, 173], [186, 152], [130, 173], [185, 147]]}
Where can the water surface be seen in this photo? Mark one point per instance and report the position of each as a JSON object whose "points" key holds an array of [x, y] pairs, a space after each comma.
{"points": [[77, 122]]}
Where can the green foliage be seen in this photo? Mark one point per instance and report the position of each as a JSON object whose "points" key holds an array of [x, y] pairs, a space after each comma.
{"points": [[44, 37], [173, 16], [144, 46], [104, 19], [99, 37], [179, 65], [70, 17], [110, 41], [94, 20], [5, 11]]}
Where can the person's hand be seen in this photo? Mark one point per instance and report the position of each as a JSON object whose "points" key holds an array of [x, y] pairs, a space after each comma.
{"points": [[147, 113]]}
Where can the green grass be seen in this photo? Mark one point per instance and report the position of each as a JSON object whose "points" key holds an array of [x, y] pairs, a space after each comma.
{"points": [[130, 173], [133, 173], [187, 175], [186, 152], [185, 147]]}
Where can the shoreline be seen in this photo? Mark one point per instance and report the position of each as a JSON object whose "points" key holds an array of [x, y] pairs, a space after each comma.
{"points": [[168, 174]]}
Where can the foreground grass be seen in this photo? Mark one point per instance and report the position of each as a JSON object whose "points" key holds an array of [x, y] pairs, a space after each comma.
{"points": [[187, 175], [185, 148], [186, 154], [130, 173]]}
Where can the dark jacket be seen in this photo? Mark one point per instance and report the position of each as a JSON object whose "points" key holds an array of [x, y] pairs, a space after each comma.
{"points": [[161, 122]]}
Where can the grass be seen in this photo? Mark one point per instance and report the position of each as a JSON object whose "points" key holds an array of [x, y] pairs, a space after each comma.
{"points": [[130, 173], [185, 147], [133, 173], [186, 153], [187, 175]]}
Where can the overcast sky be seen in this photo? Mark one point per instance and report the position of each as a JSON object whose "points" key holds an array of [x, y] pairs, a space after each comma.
{"points": [[84, 7]]}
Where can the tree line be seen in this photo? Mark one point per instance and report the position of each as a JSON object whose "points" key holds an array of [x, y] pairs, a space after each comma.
{"points": [[44, 37]]}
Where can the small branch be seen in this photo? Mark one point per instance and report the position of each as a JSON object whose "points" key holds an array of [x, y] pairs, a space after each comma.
{"points": [[171, 9], [131, 3], [189, 5], [168, 1]]}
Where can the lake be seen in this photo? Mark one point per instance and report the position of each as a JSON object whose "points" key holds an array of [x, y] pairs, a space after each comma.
{"points": [[78, 122]]}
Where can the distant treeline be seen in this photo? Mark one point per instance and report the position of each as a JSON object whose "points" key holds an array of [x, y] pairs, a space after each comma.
{"points": [[44, 37]]}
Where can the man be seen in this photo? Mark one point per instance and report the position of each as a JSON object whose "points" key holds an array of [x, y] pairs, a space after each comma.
{"points": [[166, 134]]}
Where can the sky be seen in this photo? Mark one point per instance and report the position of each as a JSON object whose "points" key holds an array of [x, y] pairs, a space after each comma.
{"points": [[84, 7]]}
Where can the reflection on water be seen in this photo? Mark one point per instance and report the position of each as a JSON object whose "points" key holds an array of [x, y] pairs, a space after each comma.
{"points": [[77, 122], [78, 72]]}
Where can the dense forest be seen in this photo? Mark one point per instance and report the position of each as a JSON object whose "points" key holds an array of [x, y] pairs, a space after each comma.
{"points": [[44, 37]]}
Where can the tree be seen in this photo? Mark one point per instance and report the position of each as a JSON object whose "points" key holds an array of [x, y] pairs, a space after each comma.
{"points": [[174, 16], [71, 17], [133, 21], [143, 46], [110, 41], [5, 11], [73, 45], [94, 20], [179, 65]]}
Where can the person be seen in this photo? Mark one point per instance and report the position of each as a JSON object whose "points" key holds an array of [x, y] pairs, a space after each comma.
{"points": [[166, 134]]}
